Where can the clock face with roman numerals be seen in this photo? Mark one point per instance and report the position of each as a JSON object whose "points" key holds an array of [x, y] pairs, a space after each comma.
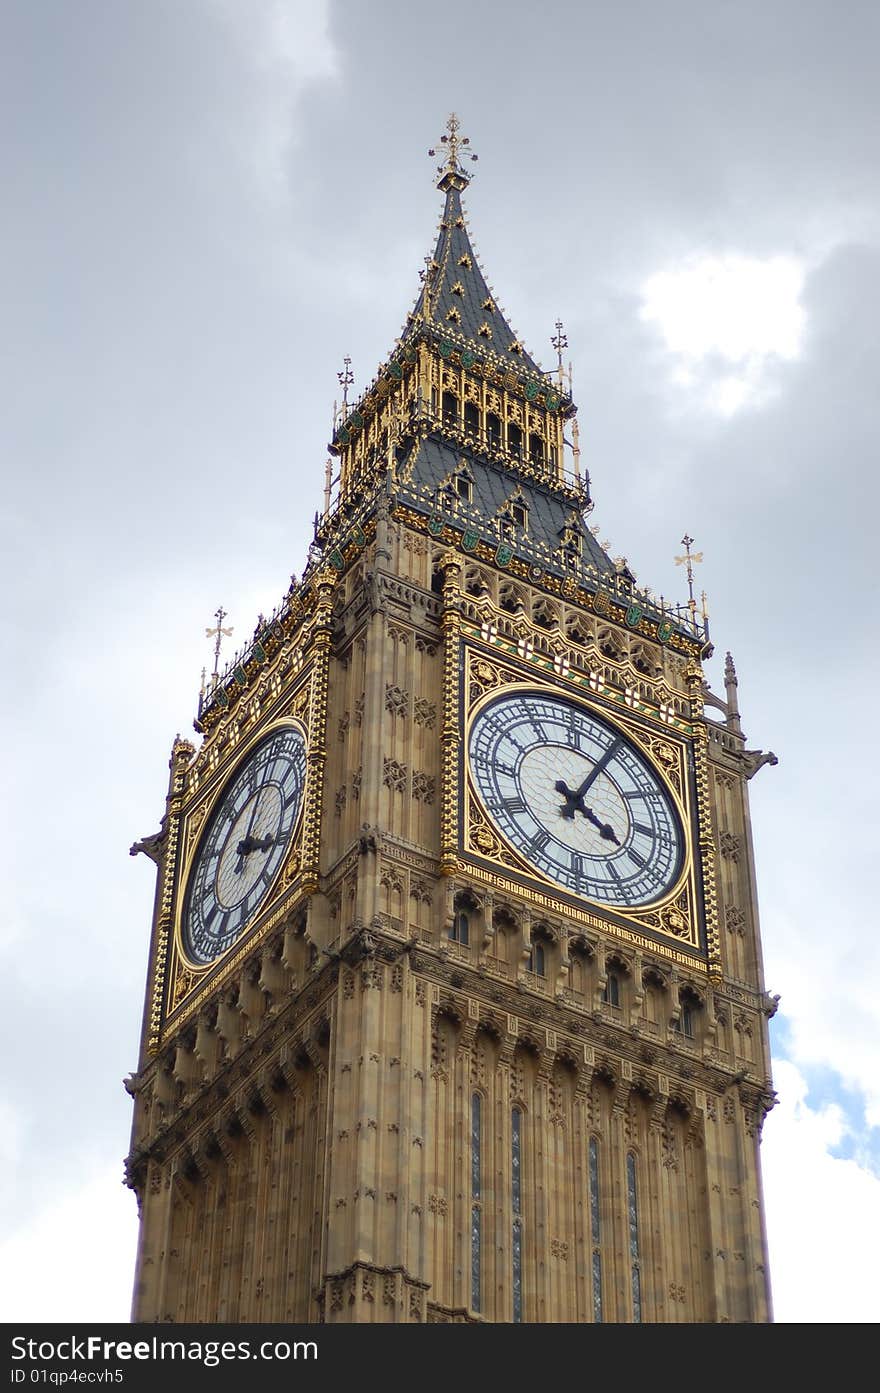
{"points": [[244, 844], [576, 799]]}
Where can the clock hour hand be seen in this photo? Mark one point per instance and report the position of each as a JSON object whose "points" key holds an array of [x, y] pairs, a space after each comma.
{"points": [[605, 829], [574, 802]]}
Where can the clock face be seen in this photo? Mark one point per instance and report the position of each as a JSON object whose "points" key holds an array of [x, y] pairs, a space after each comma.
{"points": [[576, 799], [244, 844]]}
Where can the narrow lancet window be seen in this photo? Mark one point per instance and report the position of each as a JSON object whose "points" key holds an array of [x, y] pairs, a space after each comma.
{"points": [[476, 1199], [460, 931], [516, 1203], [632, 1207], [594, 1231], [537, 961]]}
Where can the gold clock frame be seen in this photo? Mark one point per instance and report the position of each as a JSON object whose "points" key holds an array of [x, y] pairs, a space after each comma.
{"points": [[674, 917], [184, 978], [198, 819]]}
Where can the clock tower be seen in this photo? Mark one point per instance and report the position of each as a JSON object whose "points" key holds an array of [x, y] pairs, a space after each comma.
{"points": [[455, 1007]]}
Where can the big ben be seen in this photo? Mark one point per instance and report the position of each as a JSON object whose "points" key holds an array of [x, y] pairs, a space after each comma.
{"points": [[455, 1007]]}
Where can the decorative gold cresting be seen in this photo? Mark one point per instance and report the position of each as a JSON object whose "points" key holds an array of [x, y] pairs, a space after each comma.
{"points": [[181, 754], [453, 171], [319, 650], [450, 740]]}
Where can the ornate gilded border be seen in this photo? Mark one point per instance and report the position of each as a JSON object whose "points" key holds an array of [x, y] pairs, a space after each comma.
{"points": [[450, 751], [175, 978], [677, 917]]}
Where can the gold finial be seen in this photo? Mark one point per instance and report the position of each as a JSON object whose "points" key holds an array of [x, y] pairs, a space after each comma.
{"points": [[218, 633], [453, 142], [346, 378], [689, 559], [560, 342]]}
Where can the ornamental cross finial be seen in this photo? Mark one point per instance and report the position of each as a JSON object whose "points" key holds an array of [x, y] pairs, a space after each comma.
{"points": [[218, 633], [689, 559], [346, 378], [453, 142], [560, 343]]}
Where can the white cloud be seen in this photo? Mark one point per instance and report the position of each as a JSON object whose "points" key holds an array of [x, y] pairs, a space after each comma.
{"points": [[727, 322], [815, 1203], [286, 44], [10, 1137]]}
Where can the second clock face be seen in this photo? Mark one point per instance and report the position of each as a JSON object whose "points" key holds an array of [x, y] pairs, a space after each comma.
{"points": [[245, 842], [576, 799]]}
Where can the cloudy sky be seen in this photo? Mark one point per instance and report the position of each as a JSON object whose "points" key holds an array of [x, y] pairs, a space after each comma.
{"points": [[207, 204]]}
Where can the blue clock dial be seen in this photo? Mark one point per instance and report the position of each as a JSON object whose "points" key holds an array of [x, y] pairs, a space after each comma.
{"points": [[576, 799], [244, 844]]}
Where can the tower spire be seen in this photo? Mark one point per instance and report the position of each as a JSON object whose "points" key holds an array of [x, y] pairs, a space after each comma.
{"points": [[455, 295]]}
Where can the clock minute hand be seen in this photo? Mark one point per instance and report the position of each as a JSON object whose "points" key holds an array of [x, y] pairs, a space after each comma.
{"points": [[244, 847], [596, 770]]}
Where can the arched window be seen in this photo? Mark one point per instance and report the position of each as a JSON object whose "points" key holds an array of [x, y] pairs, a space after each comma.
{"points": [[611, 994], [536, 449], [684, 1024], [537, 961], [450, 408], [632, 1209], [493, 429], [516, 1120], [514, 438], [476, 1199], [471, 418], [460, 931]]}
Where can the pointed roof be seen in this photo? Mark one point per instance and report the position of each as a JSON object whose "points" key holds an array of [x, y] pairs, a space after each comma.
{"points": [[455, 295]]}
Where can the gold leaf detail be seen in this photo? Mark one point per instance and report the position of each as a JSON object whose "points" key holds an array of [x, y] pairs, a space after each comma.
{"points": [[673, 920]]}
